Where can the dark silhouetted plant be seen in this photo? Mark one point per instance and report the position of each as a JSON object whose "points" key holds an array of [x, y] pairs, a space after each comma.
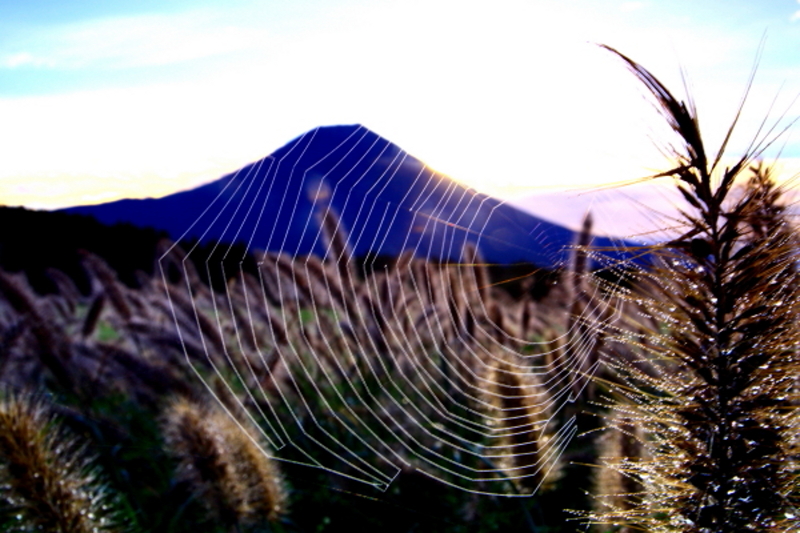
{"points": [[718, 403]]}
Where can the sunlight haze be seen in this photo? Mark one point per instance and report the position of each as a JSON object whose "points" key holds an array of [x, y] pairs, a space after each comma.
{"points": [[99, 103]]}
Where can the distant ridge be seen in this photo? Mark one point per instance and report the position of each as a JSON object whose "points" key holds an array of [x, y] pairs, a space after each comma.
{"points": [[387, 200]]}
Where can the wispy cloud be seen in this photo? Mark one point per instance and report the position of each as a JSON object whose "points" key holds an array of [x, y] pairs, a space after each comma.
{"points": [[796, 15], [132, 41], [21, 59]]}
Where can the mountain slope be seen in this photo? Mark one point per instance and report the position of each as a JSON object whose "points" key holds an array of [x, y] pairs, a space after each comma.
{"points": [[387, 200]]}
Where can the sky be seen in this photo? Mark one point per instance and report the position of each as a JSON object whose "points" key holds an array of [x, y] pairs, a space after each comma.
{"points": [[101, 100]]}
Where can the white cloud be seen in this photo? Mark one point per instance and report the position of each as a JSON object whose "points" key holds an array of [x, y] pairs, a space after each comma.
{"points": [[20, 59], [132, 41]]}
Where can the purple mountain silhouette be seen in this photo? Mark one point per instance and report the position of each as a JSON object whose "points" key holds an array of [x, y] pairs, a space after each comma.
{"points": [[387, 201]]}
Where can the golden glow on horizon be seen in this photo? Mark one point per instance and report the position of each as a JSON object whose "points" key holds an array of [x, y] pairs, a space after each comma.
{"points": [[55, 190], [66, 190]]}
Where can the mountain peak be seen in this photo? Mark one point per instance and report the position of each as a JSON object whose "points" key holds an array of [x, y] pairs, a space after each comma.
{"points": [[386, 200]]}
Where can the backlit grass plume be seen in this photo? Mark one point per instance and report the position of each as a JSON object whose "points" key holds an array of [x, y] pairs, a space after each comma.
{"points": [[718, 407], [526, 450], [47, 481], [229, 473]]}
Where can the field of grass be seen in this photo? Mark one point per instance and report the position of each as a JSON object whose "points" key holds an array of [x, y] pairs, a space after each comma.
{"points": [[308, 394]]}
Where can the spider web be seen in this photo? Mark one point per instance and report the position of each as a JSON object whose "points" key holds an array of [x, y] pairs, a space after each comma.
{"points": [[422, 363]]}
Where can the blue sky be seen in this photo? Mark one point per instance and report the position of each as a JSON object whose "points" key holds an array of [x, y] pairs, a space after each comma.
{"points": [[101, 100]]}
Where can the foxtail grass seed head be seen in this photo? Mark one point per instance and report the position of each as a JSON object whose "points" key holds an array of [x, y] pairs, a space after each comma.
{"points": [[47, 480], [519, 410], [227, 470]]}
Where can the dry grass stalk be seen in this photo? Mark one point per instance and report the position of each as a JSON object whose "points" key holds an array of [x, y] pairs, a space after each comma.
{"points": [[257, 299], [120, 369], [195, 322], [93, 315], [588, 308], [269, 280], [337, 249], [240, 316], [174, 256], [458, 302], [65, 287], [111, 285], [499, 325], [52, 343], [278, 278], [292, 275], [579, 260], [323, 286], [479, 278], [170, 347]]}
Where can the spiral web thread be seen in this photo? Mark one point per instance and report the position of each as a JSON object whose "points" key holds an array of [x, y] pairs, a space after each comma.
{"points": [[422, 365]]}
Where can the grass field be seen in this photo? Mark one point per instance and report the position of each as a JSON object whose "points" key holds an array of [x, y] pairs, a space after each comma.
{"points": [[307, 394]]}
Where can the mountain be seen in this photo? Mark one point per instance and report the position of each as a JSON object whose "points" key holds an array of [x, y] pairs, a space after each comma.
{"points": [[387, 201]]}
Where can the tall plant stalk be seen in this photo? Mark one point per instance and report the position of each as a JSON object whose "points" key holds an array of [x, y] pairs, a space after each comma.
{"points": [[718, 402]]}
